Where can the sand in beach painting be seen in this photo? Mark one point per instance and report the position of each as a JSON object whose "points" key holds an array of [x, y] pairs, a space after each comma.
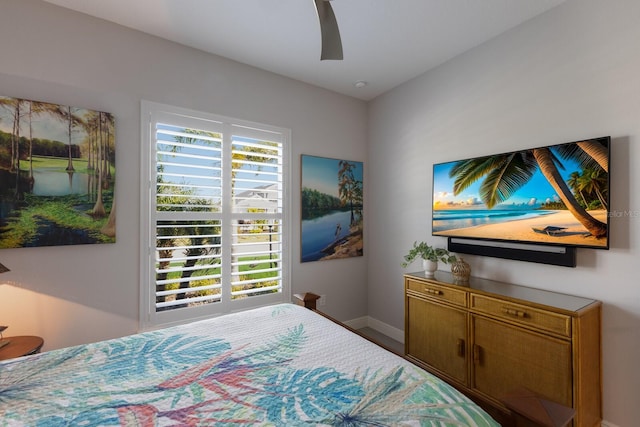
{"points": [[332, 200], [57, 174], [556, 195]]}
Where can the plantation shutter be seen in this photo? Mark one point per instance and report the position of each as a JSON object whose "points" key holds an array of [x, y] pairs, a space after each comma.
{"points": [[216, 214], [188, 215], [257, 192]]}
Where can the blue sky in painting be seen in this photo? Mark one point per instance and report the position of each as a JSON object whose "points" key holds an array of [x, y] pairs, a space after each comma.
{"points": [[532, 194], [44, 126], [321, 174]]}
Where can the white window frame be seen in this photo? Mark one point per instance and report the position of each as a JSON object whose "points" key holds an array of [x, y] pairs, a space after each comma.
{"points": [[152, 112]]}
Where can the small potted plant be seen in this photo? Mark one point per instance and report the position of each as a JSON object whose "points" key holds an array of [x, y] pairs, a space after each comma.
{"points": [[429, 255]]}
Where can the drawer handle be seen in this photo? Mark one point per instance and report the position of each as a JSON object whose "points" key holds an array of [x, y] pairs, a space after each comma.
{"points": [[432, 291], [513, 312], [476, 354], [460, 347]]}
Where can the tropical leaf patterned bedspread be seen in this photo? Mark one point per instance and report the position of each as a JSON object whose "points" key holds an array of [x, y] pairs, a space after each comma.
{"points": [[280, 365]]}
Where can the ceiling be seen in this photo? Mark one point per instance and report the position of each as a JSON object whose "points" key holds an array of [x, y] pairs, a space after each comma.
{"points": [[385, 42]]}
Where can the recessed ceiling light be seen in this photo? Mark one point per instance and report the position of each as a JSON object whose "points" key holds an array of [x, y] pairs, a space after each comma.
{"points": [[360, 84]]}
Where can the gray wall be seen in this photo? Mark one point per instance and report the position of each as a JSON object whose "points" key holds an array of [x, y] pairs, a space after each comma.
{"points": [[569, 74], [76, 294]]}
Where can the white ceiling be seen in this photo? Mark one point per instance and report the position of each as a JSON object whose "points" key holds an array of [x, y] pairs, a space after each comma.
{"points": [[385, 42]]}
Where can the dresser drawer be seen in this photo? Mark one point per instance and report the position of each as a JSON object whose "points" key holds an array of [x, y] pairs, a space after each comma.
{"points": [[537, 318], [434, 291]]}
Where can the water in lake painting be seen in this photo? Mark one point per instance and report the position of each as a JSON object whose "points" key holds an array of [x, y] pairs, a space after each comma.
{"points": [[57, 174], [332, 200]]}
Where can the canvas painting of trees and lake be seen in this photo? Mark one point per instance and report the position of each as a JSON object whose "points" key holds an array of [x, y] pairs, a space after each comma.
{"points": [[57, 174], [557, 195], [332, 202]]}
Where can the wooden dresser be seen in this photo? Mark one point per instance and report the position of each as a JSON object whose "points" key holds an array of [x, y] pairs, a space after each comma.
{"points": [[489, 338]]}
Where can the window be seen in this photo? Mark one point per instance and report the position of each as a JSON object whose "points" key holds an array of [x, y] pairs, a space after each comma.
{"points": [[214, 215]]}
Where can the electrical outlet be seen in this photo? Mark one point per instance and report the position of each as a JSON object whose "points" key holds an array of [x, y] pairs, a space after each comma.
{"points": [[322, 301]]}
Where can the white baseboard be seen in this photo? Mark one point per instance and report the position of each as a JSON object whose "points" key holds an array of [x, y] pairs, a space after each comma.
{"points": [[359, 323], [388, 330], [607, 424], [383, 328]]}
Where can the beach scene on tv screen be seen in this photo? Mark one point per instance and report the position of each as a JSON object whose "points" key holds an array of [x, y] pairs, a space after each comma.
{"points": [[556, 195]]}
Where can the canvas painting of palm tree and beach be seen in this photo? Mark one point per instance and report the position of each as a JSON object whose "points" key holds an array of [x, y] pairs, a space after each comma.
{"points": [[556, 194], [57, 174]]}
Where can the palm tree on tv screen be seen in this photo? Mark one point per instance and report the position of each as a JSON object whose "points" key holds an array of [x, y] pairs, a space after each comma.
{"points": [[504, 174]]}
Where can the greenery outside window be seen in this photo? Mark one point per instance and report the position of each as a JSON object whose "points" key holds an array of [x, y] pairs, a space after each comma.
{"points": [[214, 215]]}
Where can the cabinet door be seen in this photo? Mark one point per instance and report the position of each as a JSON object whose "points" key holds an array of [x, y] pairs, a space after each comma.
{"points": [[436, 334], [507, 357]]}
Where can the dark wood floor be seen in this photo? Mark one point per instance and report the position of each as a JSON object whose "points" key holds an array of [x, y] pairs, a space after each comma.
{"points": [[380, 338]]}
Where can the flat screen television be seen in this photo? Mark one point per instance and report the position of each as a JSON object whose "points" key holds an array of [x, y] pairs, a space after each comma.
{"points": [[556, 195]]}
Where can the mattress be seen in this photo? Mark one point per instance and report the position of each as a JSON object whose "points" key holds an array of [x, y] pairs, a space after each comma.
{"points": [[281, 365]]}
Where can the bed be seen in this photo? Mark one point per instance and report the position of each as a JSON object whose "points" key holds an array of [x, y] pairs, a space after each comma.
{"points": [[281, 365]]}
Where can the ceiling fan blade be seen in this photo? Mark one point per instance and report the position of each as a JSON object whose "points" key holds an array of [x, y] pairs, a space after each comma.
{"points": [[331, 43]]}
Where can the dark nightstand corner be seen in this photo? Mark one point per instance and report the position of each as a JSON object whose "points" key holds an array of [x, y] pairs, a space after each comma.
{"points": [[12, 347], [533, 410]]}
